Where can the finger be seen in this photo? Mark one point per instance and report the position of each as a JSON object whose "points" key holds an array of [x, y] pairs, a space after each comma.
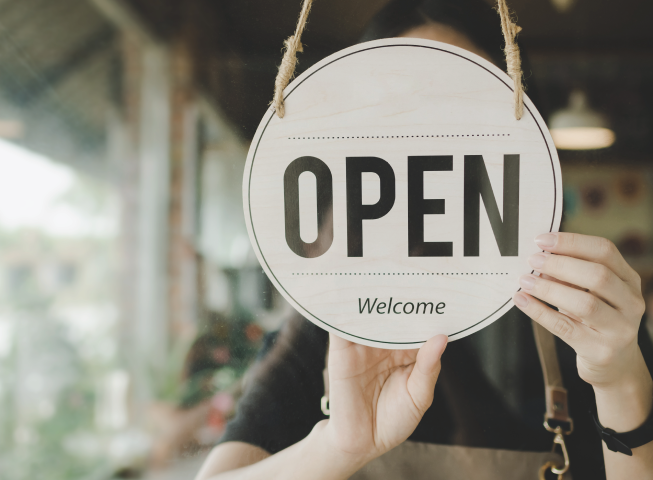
{"points": [[553, 279], [592, 249], [582, 305], [421, 382], [571, 332], [338, 343], [576, 287], [595, 277]]}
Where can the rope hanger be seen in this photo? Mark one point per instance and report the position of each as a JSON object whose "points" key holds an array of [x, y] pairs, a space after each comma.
{"points": [[287, 68], [293, 45], [513, 59]]}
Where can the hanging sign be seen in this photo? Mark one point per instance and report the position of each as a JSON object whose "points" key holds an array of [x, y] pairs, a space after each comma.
{"points": [[399, 197]]}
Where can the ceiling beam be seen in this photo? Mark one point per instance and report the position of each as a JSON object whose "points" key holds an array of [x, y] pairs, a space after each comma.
{"points": [[125, 18], [70, 64]]}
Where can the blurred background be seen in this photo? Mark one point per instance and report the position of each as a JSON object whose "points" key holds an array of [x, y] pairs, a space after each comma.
{"points": [[131, 303]]}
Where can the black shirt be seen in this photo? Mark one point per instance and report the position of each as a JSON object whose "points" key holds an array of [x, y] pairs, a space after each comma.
{"points": [[490, 394]]}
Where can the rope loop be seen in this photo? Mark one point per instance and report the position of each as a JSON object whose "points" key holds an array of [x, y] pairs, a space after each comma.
{"points": [[286, 72], [513, 58], [293, 44]]}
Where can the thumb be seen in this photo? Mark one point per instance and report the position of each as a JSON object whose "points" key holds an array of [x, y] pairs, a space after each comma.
{"points": [[421, 382], [338, 343]]}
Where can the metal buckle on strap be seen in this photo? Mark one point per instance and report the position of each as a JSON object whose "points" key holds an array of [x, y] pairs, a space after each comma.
{"points": [[552, 425], [545, 467], [559, 439], [556, 418]]}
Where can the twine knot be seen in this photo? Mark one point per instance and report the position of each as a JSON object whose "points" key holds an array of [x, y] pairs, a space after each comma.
{"points": [[286, 72], [294, 43], [513, 58]]}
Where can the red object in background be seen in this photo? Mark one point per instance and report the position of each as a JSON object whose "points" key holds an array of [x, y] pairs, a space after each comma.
{"points": [[221, 355], [216, 420], [221, 405], [253, 332]]}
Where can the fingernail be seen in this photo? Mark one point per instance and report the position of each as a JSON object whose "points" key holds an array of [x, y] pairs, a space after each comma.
{"points": [[537, 261], [527, 282], [546, 240], [520, 300]]}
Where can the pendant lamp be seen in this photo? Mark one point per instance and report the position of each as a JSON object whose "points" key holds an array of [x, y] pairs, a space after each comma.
{"points": [[578, 127], [562, 6]]}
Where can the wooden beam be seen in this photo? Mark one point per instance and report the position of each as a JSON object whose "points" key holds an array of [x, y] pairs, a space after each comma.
{"points": [[76, 59], [124, 17]]}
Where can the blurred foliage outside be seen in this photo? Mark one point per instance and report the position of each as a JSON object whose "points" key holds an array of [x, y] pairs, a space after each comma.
{"points": [[58, 318]]}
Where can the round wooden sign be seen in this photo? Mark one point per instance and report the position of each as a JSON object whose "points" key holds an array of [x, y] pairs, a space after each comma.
{"points": [[399, 197]]}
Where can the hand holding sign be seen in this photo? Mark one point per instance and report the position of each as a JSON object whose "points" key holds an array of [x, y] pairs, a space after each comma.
{"points": [[377, 397], [600, 308], [600, 301]]}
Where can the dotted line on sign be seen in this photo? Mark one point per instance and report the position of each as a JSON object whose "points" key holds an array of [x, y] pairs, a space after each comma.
{"points": [[435, 273], [402, 136]]}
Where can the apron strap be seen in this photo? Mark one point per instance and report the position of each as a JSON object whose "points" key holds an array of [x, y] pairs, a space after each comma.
{"points": [[557, 407], [556, 418]]}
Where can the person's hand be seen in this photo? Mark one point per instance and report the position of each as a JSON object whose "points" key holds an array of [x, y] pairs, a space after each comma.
{"points": [[377, 397], [599, 300]]}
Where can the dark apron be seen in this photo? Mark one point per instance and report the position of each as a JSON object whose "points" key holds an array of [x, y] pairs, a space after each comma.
{"points": [[425, 461]]}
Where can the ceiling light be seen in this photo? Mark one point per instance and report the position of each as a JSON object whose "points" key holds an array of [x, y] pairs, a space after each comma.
{"points": [[578, 127], [562, 5]]}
